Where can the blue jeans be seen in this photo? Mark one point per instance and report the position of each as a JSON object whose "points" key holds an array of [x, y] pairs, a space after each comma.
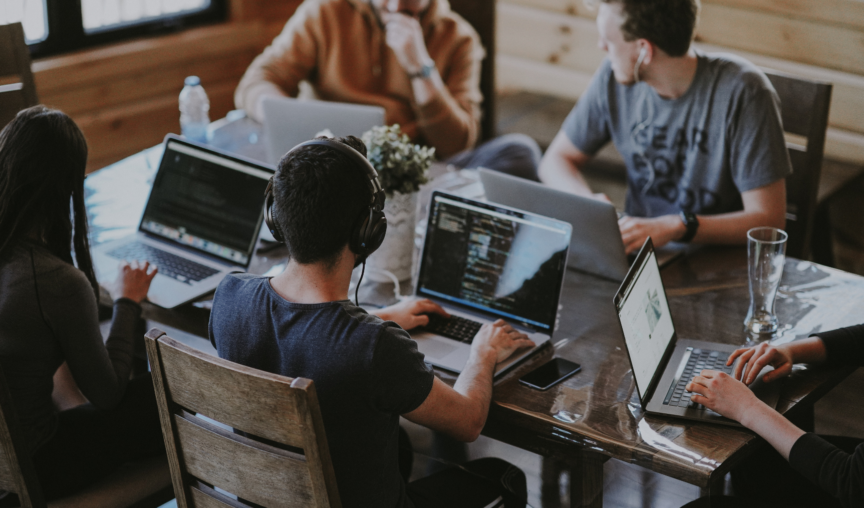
{"points": [[513, 154]]}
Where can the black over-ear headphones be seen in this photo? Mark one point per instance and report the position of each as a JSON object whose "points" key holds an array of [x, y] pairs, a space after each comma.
{"points": [[369, 228]]}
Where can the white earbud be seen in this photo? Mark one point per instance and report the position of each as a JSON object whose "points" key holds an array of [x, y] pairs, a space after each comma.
{"points": [[642, 53]]}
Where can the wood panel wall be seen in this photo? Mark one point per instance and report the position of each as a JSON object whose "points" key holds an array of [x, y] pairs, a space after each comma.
{"points": [[550, 46], [125, 96]]}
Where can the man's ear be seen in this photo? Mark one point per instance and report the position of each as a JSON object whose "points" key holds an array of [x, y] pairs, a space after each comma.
{"points": [[646, 51]]}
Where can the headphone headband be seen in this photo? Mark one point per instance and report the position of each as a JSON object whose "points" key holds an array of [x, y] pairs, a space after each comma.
{"points": [[369, 228], [371, 175]]}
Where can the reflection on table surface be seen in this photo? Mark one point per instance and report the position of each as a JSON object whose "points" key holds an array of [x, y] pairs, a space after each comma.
{"points": [[597, 410]]}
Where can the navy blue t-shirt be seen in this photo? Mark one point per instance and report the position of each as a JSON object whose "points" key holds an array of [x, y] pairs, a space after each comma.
{"points": [[366, 372]]}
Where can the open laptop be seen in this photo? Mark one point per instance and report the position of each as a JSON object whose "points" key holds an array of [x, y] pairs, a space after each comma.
{"points": [[484, 262], [289, 122], [200, 223], [663, 364], [596, 246]]}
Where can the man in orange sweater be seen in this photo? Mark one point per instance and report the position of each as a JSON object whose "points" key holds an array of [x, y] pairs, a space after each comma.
{"points": [[417, 59]]}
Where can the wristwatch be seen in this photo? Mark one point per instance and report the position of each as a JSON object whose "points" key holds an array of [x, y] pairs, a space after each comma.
{"points": [[691, 223], [425, 71]]}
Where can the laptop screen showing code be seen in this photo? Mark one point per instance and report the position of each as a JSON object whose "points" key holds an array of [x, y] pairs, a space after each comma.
{"points": [[204, 201], [495, 259]]}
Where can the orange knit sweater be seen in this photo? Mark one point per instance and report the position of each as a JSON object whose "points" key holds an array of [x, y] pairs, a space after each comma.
{"points": [[339, 47]]}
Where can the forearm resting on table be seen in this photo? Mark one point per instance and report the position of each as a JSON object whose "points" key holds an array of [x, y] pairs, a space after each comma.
{"points": [[809, 350], [561, 167], [461, 411], [773, 427], [763, 206], [731, 228]]}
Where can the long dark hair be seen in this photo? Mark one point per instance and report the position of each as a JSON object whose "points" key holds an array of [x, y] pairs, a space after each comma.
{"points": [[43, 156]]}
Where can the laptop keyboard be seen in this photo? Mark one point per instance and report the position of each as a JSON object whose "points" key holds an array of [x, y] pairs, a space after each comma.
{"points": [[455, 327], [171, 265], [700, 359]]}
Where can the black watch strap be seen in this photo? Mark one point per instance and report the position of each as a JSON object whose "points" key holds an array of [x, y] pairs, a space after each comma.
{"points": [[691, 223]]}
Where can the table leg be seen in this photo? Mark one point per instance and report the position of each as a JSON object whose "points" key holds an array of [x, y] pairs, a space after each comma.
{"points": [[715, 487], [586, 481], [550, 478]]}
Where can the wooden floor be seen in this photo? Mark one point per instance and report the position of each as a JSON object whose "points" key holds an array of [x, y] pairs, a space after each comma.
{"points": [[841, 412]]}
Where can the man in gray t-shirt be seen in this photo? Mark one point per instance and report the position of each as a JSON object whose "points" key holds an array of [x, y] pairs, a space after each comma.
{"points": [[700, 134]]}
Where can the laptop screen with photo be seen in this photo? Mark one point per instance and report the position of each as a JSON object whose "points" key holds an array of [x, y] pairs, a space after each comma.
{"points": [[646, 321], [495, 259], [208, 202]]}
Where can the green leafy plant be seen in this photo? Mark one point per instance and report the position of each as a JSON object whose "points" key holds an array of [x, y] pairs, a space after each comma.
{"points": [[401, 165]]}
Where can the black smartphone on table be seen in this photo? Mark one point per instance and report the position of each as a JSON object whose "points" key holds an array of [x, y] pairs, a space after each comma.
{"points": [[550, 374]]}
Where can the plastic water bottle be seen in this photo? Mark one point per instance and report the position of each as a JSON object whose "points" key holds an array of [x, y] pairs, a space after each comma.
{"points": [[194, 110]]}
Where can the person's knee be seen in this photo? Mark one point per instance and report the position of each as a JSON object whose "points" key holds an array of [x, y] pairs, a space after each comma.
{"points": [[513, 154]]}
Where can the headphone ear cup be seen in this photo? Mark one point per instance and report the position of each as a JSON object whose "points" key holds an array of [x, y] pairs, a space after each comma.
{"points": [[377, 230], [368, 233], [268, 217]]}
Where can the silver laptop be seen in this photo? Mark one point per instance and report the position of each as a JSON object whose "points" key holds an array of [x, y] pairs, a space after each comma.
{"points": [[289, 122], [484, 262], [596, 246], [201, 222], [663, 364]]}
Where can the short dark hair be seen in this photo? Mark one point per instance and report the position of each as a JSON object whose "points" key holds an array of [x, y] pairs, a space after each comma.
{"points": [[318, 195], [669, 24]]}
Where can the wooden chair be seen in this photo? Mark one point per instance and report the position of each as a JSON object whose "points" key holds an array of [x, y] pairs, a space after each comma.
{"points": [[277, 453], [481, 15], [142, 485], [804, 107], [17, 89]]}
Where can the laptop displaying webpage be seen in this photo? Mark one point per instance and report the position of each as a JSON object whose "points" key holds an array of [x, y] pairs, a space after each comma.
{"points": [[647, 324], [209, 203], [497, 260]]}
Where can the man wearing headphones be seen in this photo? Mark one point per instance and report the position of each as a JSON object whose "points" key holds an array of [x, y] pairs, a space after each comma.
{"points": [[326, 203], [700, 134]]}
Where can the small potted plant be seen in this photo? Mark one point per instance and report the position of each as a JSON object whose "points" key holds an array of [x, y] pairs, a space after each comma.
{"points": [[402, 167]]}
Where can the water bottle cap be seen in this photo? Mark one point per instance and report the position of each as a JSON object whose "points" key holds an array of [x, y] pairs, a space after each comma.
{"points": [[192, 81]]}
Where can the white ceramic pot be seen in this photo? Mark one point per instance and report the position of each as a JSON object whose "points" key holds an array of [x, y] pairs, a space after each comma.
{"points": [[396, 253]]}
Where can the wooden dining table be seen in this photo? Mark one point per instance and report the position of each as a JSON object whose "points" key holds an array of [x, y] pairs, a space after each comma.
{"points": [[594, 415]]}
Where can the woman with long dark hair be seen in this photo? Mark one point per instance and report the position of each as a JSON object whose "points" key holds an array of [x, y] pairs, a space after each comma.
{"points": [[49, 313]]}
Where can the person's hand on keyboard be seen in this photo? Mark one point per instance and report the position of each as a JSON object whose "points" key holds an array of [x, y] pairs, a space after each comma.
{"points": [[724, 394], [410, 313], [133, 280], [500, 339], [754, 359]]}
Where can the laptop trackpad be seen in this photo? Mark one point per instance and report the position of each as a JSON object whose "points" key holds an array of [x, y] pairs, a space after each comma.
{"points": [[435, 348]]}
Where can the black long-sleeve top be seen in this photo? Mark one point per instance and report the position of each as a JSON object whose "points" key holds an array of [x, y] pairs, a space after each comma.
{"points": [[839, 473]]}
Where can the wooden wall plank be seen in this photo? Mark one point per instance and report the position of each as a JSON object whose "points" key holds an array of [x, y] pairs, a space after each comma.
{"points": [[164, 82], [819, 44], [570, 41], [842, 12], [113, 134], [515, 73], [145, 55]]}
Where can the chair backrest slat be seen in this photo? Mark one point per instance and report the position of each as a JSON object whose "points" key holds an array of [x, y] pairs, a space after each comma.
{"points": [[17, 88], [233, 397], [274, 450], [804, 109], [218, 457], [16, 468]]}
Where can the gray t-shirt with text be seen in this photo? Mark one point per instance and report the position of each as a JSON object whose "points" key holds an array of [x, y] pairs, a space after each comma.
{"points": [[696, 153]]}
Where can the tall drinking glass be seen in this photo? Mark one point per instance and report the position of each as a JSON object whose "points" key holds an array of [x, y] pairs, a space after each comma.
{"points": [[766, 254]]}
